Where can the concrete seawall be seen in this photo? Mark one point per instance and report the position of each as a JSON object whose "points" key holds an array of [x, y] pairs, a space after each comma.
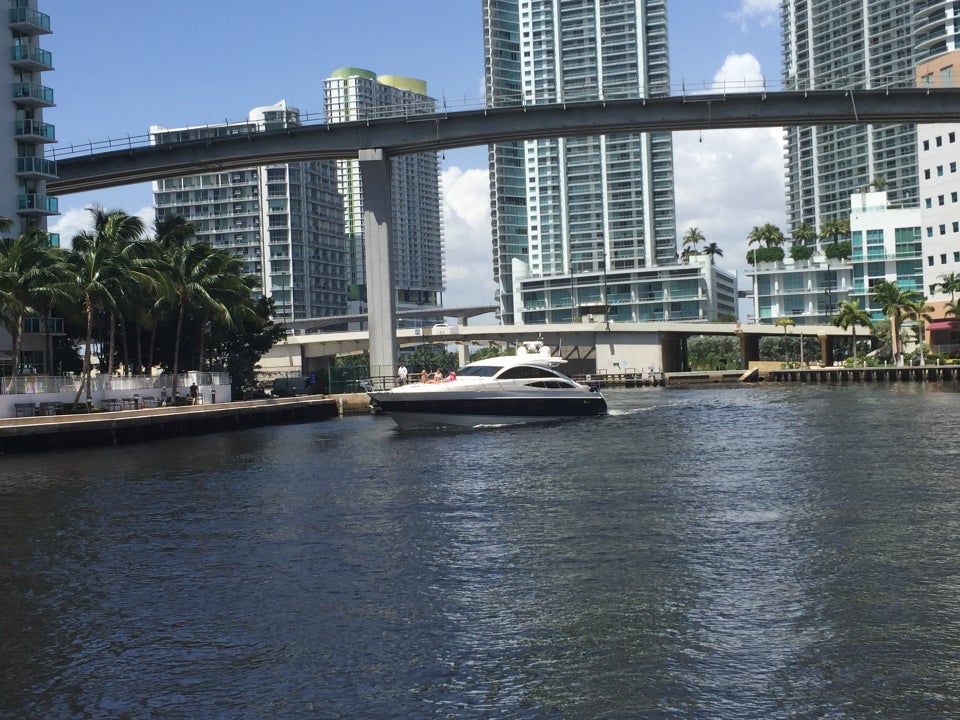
{"points": [[132, 426]]}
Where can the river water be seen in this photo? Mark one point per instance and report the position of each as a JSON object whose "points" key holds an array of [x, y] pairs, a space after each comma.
{"points": [[757, 552]]}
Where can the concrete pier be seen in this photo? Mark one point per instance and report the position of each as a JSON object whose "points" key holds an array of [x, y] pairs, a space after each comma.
{"points": [[30, 434]]}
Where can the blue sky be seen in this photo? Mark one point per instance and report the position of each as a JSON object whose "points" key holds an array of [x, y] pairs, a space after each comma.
{"points": [[122, 66]]}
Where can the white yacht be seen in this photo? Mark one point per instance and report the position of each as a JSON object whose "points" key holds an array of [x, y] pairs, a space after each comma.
{"points": [[504, 390]]}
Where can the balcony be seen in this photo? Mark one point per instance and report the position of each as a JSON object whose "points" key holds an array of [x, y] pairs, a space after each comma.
{"points": [[36, 204], [34, 130], [36, 167], [31, 57], [29, 21], [32, 94]]}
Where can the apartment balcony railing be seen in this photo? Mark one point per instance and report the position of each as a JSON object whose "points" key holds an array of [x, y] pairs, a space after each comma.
{"points": [[36, 167], [32, 94], [34, 130], [31, 57], [29, 21], [36, 204]]}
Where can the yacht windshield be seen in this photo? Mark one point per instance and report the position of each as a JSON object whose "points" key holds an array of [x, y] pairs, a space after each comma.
{"points": [[478, 371]]}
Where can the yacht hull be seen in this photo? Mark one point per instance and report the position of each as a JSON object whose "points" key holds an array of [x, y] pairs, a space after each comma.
{"points": [[472, 409]]}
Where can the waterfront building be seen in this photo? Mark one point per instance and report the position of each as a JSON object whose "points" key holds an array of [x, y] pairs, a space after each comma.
{"points": [[694, 290], [886, 245], [565, 212], [806, 291], [23, 193], [855, 44], [285, 220], [939, 152], [352, 94]]}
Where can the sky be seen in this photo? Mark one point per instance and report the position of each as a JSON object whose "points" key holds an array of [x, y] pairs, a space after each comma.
{"points": [[122, 66]]}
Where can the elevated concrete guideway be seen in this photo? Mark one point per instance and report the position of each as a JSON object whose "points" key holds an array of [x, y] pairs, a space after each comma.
{"points": [[588, 347], [374, 142], [444, 131]]}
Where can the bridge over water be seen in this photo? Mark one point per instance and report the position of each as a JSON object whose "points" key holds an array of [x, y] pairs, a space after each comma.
{"points": [[373, 142], [600, 347]]}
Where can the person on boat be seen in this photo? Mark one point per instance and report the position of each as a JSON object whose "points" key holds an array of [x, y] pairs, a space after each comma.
{"points": [[402, 375], [452, 376], [423, 376], [438, 375]]}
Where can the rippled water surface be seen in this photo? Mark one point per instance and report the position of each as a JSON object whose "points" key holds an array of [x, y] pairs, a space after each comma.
{"points": [[763, 552]]}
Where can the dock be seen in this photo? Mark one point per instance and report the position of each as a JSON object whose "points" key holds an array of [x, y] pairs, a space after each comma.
{"points": [[920, 373], [121, 427]]}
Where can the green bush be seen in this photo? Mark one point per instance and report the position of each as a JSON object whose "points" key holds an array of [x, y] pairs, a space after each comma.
{"points": [[801, 252], [838, 251], [765, 254]]}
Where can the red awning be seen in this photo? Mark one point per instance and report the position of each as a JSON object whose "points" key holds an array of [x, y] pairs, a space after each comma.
{"points": [[942, 325]]}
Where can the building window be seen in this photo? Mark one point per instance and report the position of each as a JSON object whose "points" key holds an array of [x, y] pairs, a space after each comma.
{"points": [[956, 255], [939, 199], [929, 232], [953, 196], [943, 229], [930, 260], [953, 166], [926, 174], [929, 203], [943, 258], [956, 226], [939, 170], [952, 137], [939, 141], [926, 144]]}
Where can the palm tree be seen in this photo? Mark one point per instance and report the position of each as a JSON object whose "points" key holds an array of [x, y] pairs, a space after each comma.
{"points": [[920, 311], [849, 315], [28, 283], [834, 229], [893, 300], [785, 322], [804, 233], [950, 282], [692, 238], [101, 267], [208, 280], [118, 233], [713, 250]]}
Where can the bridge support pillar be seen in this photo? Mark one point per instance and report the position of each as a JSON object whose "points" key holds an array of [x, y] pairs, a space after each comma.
{"points": [[826, 350], [749, 349], [378, 248]]}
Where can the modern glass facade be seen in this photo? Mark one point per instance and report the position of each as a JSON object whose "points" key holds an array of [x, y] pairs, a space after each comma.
{"points": [[285, 221], [352, 94], [855, 44], [572, 206]]}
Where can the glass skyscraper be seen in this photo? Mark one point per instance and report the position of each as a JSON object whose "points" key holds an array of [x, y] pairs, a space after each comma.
{"points": [[849, 44], [572, 207], [352, 94]]}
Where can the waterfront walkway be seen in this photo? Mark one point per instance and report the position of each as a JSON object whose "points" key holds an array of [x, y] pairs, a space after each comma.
{"points": [[131, 426]]}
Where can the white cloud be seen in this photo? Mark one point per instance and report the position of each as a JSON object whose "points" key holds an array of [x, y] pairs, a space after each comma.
{"points": [[727, 181], [466, 227], [764, 12]]}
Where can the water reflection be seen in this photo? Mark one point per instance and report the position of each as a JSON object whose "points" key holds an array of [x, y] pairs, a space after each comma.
{"points": [[749, 553]]}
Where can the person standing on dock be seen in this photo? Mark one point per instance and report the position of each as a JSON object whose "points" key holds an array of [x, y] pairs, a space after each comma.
{"points": [[194, 394]]}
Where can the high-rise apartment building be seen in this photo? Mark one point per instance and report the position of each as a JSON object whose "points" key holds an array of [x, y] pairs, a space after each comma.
{"points": [[416, 232], [23, 197], [23, 192], [577, 208], [850, 44], [285, 221]]}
